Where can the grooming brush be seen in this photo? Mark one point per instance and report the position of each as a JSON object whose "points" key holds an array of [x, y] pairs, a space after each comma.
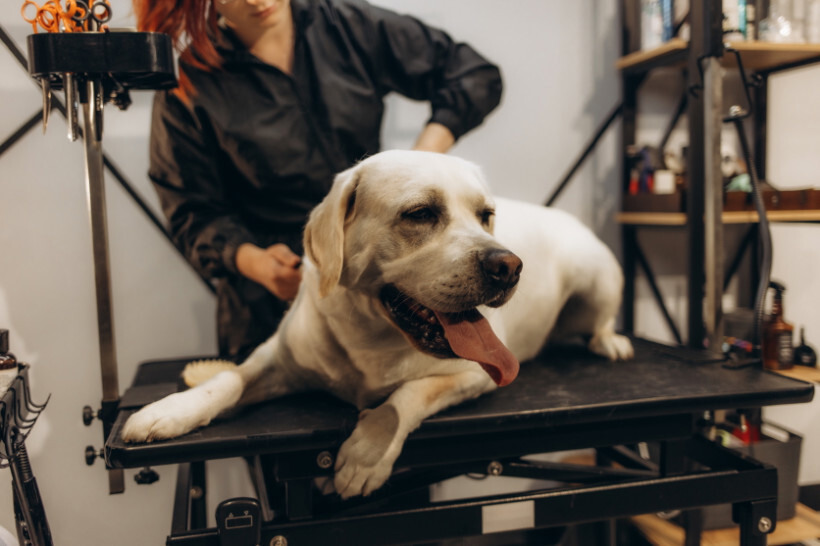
{"points": [[199, 371]]}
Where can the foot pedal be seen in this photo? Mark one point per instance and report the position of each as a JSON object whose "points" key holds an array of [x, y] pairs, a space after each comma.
{"points": [[239, 522]]}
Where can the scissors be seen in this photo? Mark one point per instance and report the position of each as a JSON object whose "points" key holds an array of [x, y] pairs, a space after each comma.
{"points": [[51, 14], [98, 12], [48, 16]]}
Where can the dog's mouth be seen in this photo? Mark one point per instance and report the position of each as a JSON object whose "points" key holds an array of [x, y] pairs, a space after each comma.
{"points": [[465, 334]]}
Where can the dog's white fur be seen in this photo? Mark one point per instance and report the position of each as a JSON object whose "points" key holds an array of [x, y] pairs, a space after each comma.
{"points": [[337, 336]]}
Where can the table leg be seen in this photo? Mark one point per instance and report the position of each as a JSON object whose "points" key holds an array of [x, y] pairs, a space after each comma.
{"points": [[199, 507], [693, 524], [756, 519], [299, 499], [630, 242]]}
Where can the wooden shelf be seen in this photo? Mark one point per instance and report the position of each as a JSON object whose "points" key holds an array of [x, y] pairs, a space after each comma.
{"points": [[757, 56], [805, 525], [763, 56], [671, 52], [729, 217], [651, 218], [804, 373]]}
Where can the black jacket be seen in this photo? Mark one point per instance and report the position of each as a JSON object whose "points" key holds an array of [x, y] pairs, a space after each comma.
{"points": [[256, 149]]}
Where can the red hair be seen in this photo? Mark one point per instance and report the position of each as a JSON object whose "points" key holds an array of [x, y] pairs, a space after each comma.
{"points": [[189, 23]]}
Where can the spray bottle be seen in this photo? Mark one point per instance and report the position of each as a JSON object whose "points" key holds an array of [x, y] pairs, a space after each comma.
{"points": [[778, 348]]}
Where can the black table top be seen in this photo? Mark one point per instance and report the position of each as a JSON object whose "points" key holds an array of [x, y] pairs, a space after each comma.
{"points": [[563, 386]]}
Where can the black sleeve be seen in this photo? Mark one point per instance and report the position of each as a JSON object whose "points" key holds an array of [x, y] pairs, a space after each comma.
{"points": [[185, 174], [424, 63]]}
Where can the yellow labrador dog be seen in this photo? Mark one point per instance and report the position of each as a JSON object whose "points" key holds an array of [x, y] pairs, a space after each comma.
{"points": [[419, 291]]}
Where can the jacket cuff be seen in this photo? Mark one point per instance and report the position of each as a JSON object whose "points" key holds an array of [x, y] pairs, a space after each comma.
{"points": [[449, 119], [229, 248]]}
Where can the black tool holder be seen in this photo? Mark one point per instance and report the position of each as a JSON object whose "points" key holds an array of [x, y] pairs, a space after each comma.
{"points": [[18, 413], [93, 68]]}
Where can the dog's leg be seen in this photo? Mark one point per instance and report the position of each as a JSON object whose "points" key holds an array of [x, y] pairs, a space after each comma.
{"points": [[182, 412], [593, 315], [366, 459], [595, 311], [606, 342]]}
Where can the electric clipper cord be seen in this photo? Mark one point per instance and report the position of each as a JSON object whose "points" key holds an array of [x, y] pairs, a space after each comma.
{"points": [[736, 116]]}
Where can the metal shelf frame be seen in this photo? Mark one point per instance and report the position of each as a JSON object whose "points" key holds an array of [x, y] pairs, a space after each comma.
{"points": [[701, 59], [704, 195]]}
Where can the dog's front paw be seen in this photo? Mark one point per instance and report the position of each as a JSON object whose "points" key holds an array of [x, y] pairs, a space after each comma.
{"points": [[365, 460], [613, 346], [170, 417]]}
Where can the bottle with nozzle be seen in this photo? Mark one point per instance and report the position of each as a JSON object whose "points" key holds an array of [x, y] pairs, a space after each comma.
{"points": [[778, 348]]}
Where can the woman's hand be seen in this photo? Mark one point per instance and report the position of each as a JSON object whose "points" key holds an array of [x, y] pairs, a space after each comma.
{"points": [[276, 268], [435, 137]]}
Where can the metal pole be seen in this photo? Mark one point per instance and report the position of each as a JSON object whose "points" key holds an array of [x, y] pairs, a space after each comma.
{"points": [[713, 201], [704, 220], [92, 101]]}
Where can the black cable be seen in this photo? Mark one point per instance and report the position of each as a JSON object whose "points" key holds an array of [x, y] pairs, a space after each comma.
{"points": [[746, 83], [765, 236], [736, 117]]}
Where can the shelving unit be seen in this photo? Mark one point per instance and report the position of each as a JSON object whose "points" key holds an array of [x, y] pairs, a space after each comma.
{"points": [[701, 58], [729, 217], [757, 56]]}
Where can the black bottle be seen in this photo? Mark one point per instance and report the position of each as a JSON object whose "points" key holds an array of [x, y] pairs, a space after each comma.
{"points": [[804, 354]]}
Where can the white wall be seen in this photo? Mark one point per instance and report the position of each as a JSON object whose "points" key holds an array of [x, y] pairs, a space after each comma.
{"points": [[557, 59], [793, 162]]}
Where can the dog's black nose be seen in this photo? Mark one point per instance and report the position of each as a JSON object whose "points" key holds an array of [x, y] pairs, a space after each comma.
{"points": [[501, 267]]}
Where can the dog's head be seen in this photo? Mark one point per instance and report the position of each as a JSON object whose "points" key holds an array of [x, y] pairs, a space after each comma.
{"points": [[414, 230]]}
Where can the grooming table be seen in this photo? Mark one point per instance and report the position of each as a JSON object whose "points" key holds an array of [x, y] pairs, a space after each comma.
{"points": [[564, 399]]}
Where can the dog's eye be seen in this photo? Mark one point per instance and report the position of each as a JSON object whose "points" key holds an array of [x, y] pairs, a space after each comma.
{"points": [[421, 214], [486, 215]]}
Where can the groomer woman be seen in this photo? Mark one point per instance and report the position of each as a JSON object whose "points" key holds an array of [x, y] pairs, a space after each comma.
{"points": [[275, 98]]}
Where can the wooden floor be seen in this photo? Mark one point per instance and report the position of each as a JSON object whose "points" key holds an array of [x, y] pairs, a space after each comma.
{"points": [[805, 525]]}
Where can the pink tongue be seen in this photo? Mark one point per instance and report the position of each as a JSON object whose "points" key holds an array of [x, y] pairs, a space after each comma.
{"points": [[472, 338]]}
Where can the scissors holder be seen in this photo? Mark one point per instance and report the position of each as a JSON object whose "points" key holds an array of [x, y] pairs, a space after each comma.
{"points": [[136, 60], [121, 60]]}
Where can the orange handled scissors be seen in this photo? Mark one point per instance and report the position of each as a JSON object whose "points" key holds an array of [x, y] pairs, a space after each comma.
{"points": [[73, 17], [47, 16]]}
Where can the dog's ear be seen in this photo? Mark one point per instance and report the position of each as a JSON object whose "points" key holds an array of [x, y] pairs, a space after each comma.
{"points": [[325, 230]]}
